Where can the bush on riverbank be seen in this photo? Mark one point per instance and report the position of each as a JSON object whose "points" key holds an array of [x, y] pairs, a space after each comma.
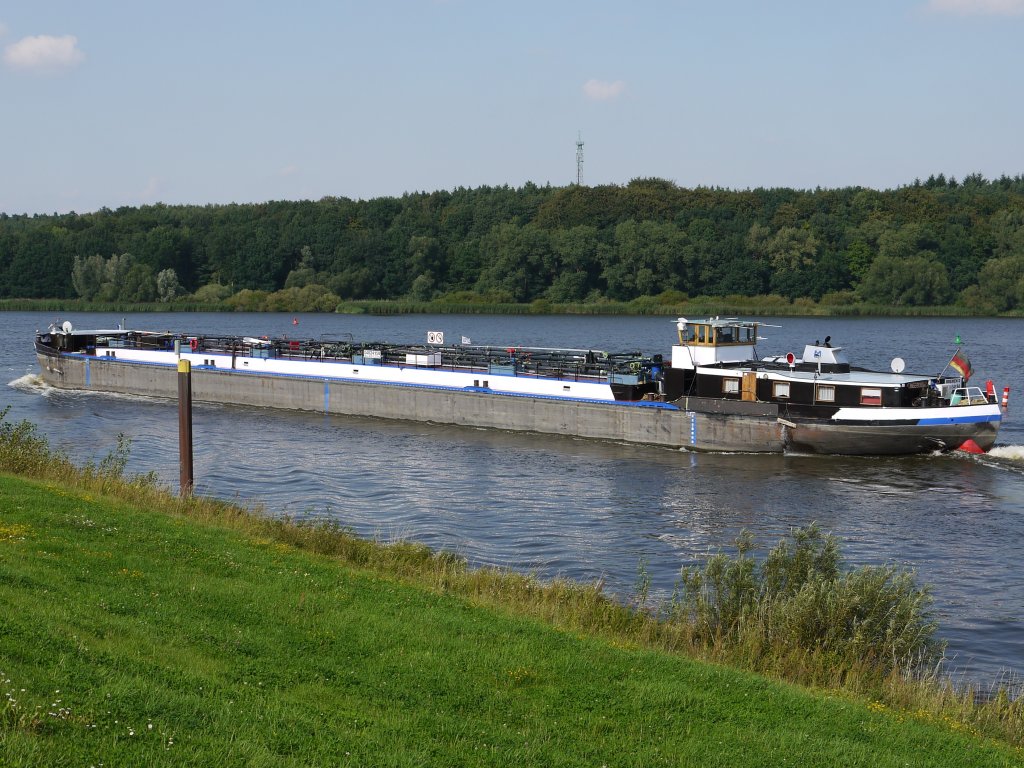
{"points": [[721, 613], [798, 600]]}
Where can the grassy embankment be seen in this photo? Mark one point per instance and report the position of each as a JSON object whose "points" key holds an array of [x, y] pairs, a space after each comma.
{"points": [[730, 305], [139, 629]]}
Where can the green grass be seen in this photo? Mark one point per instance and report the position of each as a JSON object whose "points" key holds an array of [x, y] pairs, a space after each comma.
{"points": [[134, 635]]}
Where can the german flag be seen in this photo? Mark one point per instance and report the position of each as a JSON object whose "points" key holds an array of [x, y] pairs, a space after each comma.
{"points": [[962, 365]]}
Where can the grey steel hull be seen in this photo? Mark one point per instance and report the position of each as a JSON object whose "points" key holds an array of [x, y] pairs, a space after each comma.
{"points": [[695, 424], [650, 424], [847, 439]]}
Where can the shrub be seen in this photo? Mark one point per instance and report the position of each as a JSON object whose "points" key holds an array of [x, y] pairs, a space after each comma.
{"points": [[211, 293], [24, 451], [797, 600]]}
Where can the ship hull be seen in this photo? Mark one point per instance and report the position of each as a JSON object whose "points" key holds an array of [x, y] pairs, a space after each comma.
{"points": [[887, 440], [695, 424]]}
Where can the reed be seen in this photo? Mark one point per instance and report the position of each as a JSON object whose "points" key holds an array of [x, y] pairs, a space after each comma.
{"points": [[794, 615], [464, 304]]}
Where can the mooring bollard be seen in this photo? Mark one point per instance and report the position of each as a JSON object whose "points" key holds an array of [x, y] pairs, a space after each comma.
{"points": [[185, 426]]}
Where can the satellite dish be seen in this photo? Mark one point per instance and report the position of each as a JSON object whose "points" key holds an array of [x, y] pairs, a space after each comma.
{"points": [[67, 328], [897, 365]]}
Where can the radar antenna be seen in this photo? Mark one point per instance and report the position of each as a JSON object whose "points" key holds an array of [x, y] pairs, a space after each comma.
{"points": [[579, 159]]}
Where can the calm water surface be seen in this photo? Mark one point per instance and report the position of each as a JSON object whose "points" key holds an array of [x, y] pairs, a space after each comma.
{"points": [[587, 510]]}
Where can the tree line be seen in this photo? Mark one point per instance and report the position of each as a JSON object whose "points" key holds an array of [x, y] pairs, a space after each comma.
{"points": [[940, 241]]}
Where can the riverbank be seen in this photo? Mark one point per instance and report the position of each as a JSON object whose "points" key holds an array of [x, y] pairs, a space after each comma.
{"points": [[135, 636], [762, 306], [143, 629]]}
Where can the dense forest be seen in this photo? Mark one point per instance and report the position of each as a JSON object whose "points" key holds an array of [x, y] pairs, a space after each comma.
{"points": [[941, 241]]}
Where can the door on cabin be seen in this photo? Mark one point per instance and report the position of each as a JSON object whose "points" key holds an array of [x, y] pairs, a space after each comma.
{"points": [[749, 387]]}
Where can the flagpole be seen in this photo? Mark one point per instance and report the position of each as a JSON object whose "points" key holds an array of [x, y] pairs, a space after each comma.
{"points": [[947, 364], [965, 375]]}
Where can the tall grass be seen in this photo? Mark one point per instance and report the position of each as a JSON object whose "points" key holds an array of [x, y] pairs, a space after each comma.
{"points": [[798, 601], [794, 615]]}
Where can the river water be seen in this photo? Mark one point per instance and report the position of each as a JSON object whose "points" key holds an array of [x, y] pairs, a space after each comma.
{"points": [[585, 509]]}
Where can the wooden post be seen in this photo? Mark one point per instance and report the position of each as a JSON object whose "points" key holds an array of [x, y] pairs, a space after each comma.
{"points": [[185, 426]]}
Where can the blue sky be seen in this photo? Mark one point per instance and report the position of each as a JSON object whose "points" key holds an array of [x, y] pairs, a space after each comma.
{"points": [[127, 103]]}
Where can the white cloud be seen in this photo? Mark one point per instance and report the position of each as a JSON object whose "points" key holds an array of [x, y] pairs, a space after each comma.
{"points": [[289, 170], [44, 53], [978, 7], [601, 90]]}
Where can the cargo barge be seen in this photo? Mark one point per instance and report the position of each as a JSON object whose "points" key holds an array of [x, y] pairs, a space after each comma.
{"points": [[713, 393]]}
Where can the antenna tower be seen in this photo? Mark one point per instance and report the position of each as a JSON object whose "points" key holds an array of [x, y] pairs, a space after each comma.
{"points": [[579, 159]]}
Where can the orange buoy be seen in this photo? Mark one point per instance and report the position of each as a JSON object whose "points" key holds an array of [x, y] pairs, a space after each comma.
{"points": [[1006, 396], [969, 446]]}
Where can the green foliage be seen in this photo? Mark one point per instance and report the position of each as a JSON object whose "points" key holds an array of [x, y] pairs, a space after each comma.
{"points": [[797, 598], [247, 300], [566, 245], [87, 276], [167, 285], [211, 293], [309, 298], [24, 451], [1001, 283], [118, 279], [916, 280]]}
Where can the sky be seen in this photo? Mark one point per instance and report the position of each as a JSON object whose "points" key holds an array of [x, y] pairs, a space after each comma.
{"points": [[112, 103]]}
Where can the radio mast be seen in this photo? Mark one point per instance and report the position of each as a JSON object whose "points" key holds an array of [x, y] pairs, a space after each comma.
{"points": [[579, 159]]}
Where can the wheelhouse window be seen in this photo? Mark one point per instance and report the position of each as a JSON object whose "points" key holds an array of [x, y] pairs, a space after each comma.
{"points": [[870, 396], [825, 393], [780, 390], [731, 386]]}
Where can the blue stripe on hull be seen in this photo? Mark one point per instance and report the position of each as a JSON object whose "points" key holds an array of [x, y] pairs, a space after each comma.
{"points": [[959, 420]]}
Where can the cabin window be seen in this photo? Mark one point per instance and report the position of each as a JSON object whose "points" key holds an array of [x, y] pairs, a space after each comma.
{"points": [[780, 389], [825, 393], [724, 336], [731, 386], [870, 396]]}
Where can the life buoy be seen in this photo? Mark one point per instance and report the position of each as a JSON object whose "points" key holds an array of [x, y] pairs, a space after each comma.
{"points": [[194, 344]]}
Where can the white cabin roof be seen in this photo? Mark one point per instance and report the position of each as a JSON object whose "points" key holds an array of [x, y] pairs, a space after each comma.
{"points": [[872, 378]]}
